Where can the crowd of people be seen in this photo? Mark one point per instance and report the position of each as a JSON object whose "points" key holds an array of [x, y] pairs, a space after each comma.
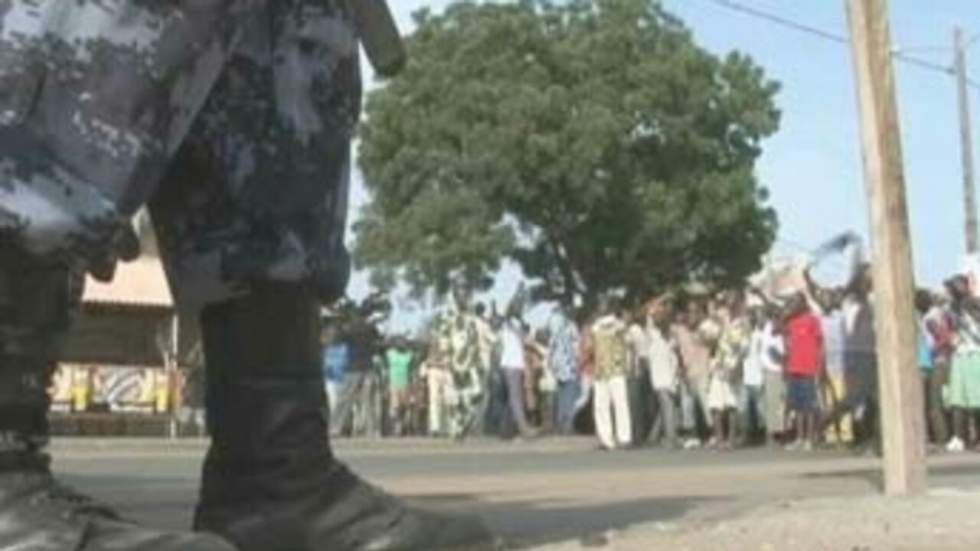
{"points": [[733, 369]]}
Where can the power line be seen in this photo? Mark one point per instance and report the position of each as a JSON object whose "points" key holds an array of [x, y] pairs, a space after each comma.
{"points": [[932, 49], [923, 63], [831, 36], [780, 20]]}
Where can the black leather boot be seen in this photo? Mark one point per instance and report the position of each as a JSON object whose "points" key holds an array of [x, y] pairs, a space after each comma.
{"points": [[39, 514], [270, 479], [36, 512]]}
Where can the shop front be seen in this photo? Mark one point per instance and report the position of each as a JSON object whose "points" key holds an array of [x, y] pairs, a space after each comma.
{"points": [[121, 373]]}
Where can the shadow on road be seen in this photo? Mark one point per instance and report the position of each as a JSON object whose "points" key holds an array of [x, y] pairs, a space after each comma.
{"points": [[533, 522], [522, 523]]}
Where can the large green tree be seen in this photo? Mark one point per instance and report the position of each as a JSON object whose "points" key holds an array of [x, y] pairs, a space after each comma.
{"points": [[591, 141]]}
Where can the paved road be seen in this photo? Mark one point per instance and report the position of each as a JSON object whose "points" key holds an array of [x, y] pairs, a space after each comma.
{"points": [[534, 493]]}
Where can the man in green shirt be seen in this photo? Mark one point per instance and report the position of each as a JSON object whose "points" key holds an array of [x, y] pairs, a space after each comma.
{"points": [[399, 358]]}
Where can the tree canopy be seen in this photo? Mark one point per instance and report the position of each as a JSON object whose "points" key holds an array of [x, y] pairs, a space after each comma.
{"points": [[591, 141]]}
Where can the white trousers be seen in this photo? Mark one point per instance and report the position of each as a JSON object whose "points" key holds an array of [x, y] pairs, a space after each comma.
{"points": [[333, 394], [612, 412], [439, 382]]}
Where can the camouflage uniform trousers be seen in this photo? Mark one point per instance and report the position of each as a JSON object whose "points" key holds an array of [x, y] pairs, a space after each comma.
{"points": [[231, 119]]}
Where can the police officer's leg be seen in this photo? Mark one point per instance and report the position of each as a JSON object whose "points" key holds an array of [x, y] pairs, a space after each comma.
{"points": [[36, 512], [251, 222], [271, 480], [87, 103]]}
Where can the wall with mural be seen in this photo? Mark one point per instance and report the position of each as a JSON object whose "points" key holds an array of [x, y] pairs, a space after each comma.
{"points": [[113, 389]]}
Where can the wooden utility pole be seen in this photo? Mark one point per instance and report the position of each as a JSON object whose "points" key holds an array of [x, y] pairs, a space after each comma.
{"points": [[966, 141], [900, 385]]}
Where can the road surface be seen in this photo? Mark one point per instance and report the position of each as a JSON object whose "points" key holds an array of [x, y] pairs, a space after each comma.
{"points": [[542, 492]]}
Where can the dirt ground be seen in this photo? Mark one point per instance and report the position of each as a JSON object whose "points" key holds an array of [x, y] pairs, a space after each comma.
{"points": [[945, 520]]}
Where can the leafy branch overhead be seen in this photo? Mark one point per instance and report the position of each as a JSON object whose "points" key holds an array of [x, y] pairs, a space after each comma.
{"points": [[591, 141]]}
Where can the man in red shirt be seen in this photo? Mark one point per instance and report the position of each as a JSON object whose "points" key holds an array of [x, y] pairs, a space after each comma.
{"points": [[804, 363]]}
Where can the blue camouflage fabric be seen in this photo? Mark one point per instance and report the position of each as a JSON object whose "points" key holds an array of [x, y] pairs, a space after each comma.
{"points": [[232, 119]]}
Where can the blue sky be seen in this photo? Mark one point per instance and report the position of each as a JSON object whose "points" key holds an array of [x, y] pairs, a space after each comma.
{"points": [[813, 165]]}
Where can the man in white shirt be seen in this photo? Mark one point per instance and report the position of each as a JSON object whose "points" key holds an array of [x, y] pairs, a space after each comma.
{"points": [[774, 378], [487, 337], [665, 378], [488, 342], [834, 326], [435, 370], [514, 366], [750, 409]]}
